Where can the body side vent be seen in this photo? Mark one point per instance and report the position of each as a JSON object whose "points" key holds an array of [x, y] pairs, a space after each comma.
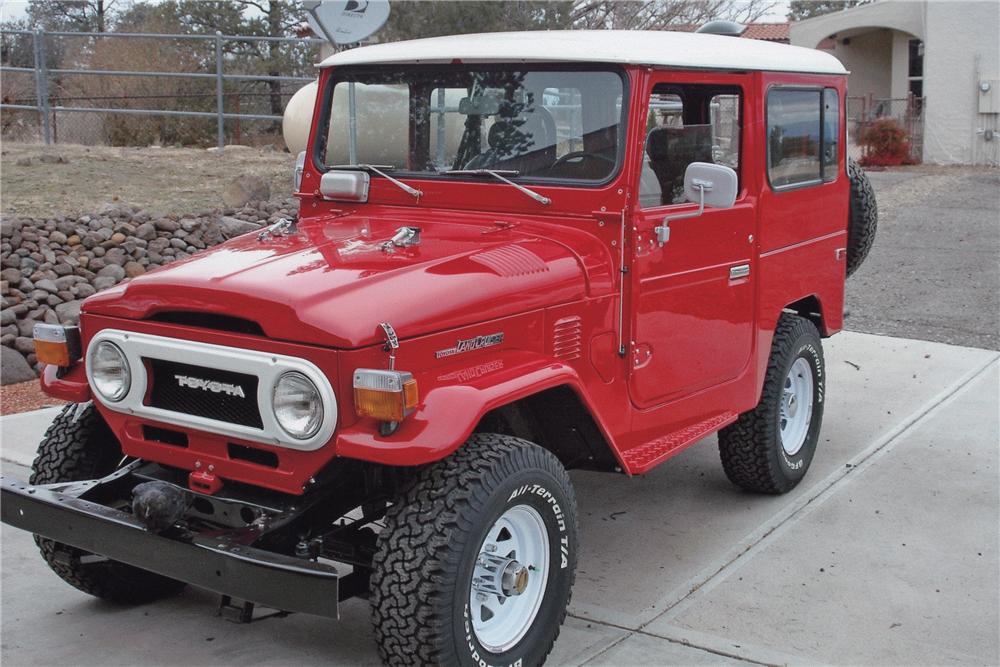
{"points": [[566, 334]]}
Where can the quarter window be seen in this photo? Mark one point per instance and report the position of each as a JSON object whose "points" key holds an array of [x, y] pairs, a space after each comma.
{"points": [[803, 136]]}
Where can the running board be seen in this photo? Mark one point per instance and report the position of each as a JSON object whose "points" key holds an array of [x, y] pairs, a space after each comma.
{"points": [[644, 457]]}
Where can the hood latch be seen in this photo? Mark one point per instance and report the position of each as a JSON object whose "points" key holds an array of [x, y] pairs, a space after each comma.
{"points": [[404, 238]]}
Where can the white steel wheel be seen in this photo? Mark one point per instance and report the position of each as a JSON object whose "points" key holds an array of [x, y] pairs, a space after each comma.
{"points": [[795, 411], [509, 579]]}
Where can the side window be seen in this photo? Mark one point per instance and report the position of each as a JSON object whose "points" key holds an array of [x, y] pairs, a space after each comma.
{"points": [[793, 136], [726, 130], [831, 133], [687, 124], [803, 136]]}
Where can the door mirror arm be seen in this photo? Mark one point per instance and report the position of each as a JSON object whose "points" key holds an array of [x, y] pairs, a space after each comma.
{"points": [[710, 185]]}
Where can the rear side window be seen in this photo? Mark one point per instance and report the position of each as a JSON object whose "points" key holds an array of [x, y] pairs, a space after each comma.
{"points": [[802, 136]]}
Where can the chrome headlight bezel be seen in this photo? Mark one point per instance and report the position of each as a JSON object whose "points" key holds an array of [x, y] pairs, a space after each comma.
{"points": [[94, 364], [314, 421]]}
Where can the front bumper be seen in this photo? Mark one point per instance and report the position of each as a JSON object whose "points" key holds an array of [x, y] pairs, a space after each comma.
{"points": [[216, 561]]}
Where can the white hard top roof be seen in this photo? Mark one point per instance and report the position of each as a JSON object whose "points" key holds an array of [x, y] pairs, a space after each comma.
{"points": [[659, 48]]}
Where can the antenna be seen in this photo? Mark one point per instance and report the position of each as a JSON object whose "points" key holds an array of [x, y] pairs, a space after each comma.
{"points": [[721, 27]]}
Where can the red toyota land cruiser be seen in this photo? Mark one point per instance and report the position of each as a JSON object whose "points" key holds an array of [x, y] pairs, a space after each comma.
{"points": [[517, 254]]}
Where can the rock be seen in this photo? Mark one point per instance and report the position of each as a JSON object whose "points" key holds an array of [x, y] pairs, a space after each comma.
{"points": [[52, 158], [245, 189], [62, 269], [7, 317], [58, 237], [103, 283], [112, 271], [47, 285], [69, 312], [167, 225], [83, 290], [13, 276], [13, 367], [146, 231], [133, 269], [232, 227], [24, 344], [118, 238], [73, 240], [20, 162], [26, 327]]}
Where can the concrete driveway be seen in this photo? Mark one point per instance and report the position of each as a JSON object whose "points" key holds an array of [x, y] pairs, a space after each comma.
{"points": [[886, 554]]}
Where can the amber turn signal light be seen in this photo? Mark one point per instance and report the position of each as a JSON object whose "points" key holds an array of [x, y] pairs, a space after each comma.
{"points": [[384, 395], [57, 345]]}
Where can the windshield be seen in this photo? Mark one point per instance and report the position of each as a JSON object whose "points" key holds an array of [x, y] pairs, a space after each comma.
{"points": [[541, 123]]}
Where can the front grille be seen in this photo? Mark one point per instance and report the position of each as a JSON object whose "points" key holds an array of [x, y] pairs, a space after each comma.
{"points": [[204, 392]]}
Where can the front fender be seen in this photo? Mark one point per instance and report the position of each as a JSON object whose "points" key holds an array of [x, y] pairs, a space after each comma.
{"points": [[453, 400]]}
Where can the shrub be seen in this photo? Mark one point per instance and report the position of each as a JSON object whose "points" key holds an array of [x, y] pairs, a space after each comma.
{"points": [[885, 144]]}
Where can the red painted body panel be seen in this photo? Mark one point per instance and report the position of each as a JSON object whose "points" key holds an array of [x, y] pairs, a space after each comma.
{"points": [[493, 260]]}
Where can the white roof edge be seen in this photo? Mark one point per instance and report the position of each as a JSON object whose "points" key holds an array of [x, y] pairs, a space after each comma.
{"points": [[656, 48]]}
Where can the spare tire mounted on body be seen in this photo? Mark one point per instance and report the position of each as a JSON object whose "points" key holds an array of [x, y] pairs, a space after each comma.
{"points": [[863, 217]]}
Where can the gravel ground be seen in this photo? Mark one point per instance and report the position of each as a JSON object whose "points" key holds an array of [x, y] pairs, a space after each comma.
{"points": [[24, 396], [161, 181], [933, 273]]}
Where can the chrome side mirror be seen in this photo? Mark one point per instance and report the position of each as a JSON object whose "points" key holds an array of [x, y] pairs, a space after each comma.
{"points": [[707, 184], [345, 185]]}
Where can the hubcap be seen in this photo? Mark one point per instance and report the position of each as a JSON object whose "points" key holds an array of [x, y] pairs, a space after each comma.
{"points": [[795, 410], [509, 579]]}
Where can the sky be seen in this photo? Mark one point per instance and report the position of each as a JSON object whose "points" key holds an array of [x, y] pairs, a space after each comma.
{"points": [[14, 9]]}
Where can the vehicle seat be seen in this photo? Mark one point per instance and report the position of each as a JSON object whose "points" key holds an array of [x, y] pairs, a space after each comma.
{"points": [[671, 150], [526, 144]]}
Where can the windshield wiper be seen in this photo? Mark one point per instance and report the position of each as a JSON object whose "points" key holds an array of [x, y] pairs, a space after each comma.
{"points": [[499, 175], [377, 168]]}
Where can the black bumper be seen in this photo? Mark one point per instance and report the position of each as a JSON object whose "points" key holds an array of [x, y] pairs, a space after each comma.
{"points": [[214, 562]]}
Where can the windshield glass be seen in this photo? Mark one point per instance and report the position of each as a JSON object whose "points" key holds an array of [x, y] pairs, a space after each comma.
{"points": [[542, 123]]}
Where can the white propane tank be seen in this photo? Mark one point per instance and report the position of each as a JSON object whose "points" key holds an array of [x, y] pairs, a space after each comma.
{"points": [[298, 117], [381, 129]]}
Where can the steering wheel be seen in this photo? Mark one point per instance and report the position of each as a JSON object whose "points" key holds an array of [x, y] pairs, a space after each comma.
{"points": [[581, 155]]}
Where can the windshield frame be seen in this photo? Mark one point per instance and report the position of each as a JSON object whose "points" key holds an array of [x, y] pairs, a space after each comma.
{"points": [[340, 74]]}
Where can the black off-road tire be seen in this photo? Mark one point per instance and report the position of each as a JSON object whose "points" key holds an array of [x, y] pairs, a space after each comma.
{"points": [[750, 448], [80, 446], [426, 553], [863, 221]]}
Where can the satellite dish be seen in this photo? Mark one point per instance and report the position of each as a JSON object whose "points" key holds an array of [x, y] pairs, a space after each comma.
{"points": [[346, 21]]}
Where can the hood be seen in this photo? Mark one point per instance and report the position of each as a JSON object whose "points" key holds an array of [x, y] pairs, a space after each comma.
{"points": [[331, 282]]}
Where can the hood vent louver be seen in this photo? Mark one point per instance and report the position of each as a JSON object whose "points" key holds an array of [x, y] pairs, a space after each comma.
{"points": [[510, 261], [566, 337]]}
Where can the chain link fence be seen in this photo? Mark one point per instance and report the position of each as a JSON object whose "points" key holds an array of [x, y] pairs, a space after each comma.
{"points": [[135, 89], [907, 111]]}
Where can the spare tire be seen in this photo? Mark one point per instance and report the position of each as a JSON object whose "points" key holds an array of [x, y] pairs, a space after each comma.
{"points": [[863, 219]]}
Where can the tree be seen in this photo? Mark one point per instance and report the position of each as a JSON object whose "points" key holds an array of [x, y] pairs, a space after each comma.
{"points": [[413, 20], [72, 15], [806, 9], [662, 14]]}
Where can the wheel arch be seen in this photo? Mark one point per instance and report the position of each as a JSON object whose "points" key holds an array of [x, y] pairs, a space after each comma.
{"points": [[559, 420], [811, 308]]}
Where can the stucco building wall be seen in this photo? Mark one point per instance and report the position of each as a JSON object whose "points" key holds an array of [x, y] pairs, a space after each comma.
{"points": [[961, 49]]}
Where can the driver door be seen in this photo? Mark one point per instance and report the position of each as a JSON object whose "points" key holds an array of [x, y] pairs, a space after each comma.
{"points": [[693, 296]]}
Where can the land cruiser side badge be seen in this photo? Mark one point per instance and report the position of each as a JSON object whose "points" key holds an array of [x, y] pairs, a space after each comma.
{"points": [[470, 344]]}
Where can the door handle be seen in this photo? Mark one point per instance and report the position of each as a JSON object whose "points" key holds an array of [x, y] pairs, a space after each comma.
{"points": [[737, 272]]}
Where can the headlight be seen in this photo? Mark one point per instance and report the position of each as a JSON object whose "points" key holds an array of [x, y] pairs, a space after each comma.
{"points": [[109, 371], [297, 405]]}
